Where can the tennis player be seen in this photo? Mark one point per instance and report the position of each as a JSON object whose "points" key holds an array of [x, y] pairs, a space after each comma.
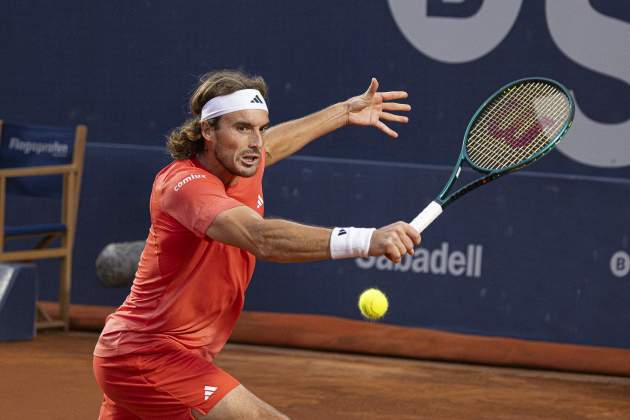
{"points": [[154, 358]]}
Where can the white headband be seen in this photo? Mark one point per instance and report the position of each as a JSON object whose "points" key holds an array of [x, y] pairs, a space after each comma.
{"points": [[241, 99]]}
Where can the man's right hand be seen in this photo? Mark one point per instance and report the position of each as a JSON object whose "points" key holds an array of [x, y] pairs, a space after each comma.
{"points": [[394, 241]]}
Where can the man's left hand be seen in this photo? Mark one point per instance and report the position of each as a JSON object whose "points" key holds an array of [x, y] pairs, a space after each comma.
{"points": [[372, 108]]}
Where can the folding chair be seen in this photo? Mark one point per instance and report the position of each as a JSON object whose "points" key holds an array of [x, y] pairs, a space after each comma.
{"points": [[29, 155]]}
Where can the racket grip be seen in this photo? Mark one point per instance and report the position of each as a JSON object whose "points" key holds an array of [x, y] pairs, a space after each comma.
{"points": [[426, 216]]}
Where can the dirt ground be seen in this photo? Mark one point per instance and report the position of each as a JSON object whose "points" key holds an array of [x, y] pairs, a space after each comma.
{"points": [[51, 378]]}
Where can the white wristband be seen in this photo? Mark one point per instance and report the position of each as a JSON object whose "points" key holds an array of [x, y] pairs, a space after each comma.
{"points": [[350, 242]]}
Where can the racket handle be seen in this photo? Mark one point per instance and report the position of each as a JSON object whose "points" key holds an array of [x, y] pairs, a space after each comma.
{"points": [[426, 216]]}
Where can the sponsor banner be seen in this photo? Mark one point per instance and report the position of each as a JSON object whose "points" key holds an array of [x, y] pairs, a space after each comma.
{"points": [[535, 256], [35, 146], [437, 261], [54, 149], [620, 264]]}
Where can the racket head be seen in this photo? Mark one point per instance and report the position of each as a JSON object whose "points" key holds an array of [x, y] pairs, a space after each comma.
{"points": [[518, 124]]}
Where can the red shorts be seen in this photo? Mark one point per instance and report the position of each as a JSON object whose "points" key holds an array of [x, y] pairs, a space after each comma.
{"points": [[163, 384]]}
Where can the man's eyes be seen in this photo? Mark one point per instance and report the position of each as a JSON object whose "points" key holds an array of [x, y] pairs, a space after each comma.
{"points": [[246, 128]]}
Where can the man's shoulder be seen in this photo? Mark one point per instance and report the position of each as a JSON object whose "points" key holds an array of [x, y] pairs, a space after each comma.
{"points": [[182, 172]]}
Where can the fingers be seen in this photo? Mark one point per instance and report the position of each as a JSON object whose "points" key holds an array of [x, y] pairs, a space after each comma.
{"points": [[393, 253], [408, 244], [385, 129], [398, 239], [373, 88], [407, 237], [392, 96], [395, 106], [397, 249], [393, 117], [412, 233]]}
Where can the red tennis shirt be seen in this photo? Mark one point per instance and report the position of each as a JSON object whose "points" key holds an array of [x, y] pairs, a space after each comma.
{"points": [[188, 287]]}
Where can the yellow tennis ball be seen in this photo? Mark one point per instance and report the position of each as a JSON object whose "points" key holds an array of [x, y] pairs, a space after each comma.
{"points": [[373, 304]]}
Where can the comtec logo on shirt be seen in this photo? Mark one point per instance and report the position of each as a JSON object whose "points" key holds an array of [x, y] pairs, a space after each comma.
{"points": [[186, 180]]}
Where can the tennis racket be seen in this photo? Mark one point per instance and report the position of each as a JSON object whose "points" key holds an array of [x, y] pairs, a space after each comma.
{"points": [[517, 125]]}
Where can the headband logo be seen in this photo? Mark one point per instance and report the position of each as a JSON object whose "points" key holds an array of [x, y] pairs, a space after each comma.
{"points": [[236, 101]]}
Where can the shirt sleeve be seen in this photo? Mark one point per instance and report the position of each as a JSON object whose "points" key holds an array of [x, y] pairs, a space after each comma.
{"points": [[194, 199]]}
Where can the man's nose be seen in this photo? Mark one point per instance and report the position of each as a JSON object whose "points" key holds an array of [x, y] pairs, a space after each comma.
{"points": [[256, 139]]}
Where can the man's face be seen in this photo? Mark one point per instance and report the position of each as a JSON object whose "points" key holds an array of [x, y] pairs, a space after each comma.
{"points": [[238, 142]]}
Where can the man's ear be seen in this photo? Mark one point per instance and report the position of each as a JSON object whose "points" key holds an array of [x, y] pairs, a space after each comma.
{"points": [[207, 131]]}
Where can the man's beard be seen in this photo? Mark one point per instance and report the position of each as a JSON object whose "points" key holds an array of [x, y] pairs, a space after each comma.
{"points": [[231, 166]]}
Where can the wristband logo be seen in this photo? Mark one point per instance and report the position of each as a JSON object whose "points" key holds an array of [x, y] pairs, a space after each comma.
{"points": [[186, 180], [440, 261]]}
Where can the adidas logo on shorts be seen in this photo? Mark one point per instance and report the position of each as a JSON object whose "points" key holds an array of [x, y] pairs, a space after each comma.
{"points": [[208, 391]]}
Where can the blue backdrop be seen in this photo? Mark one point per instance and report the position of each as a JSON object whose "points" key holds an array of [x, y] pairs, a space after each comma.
{"points": [[542, 254]]}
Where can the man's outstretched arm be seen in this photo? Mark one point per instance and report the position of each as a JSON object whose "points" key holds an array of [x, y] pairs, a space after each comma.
{"points": [[370, 108], [285, 241]]}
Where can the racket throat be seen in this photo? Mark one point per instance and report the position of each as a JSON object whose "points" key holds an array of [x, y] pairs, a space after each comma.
{"points": [[442, 197]]}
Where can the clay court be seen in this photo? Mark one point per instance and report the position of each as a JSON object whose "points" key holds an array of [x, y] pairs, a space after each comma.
{"points": [[51, 378]]}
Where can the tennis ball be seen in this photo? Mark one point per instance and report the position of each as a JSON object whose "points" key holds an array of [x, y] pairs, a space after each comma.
{"points": [[373, 304]]}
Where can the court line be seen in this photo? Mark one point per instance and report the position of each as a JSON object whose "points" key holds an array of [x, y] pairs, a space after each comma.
{"points": [[367, 162], [102, 145], [447, 168]]}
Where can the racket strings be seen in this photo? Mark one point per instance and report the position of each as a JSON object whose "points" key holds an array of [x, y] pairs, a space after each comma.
{"points": [[549, 114], [519, 123], [503, 110], [500, 110], [495, 157]]}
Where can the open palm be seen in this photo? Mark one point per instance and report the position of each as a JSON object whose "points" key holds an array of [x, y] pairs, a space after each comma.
{"points": [[372, 108]]}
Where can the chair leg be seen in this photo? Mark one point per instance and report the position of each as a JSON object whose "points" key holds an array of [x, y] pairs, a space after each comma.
{"points": [[64, 290], [48, 321]]}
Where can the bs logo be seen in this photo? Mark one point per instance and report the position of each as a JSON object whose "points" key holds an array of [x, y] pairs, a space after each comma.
{"points": [[620, 263], [460, 31]]}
